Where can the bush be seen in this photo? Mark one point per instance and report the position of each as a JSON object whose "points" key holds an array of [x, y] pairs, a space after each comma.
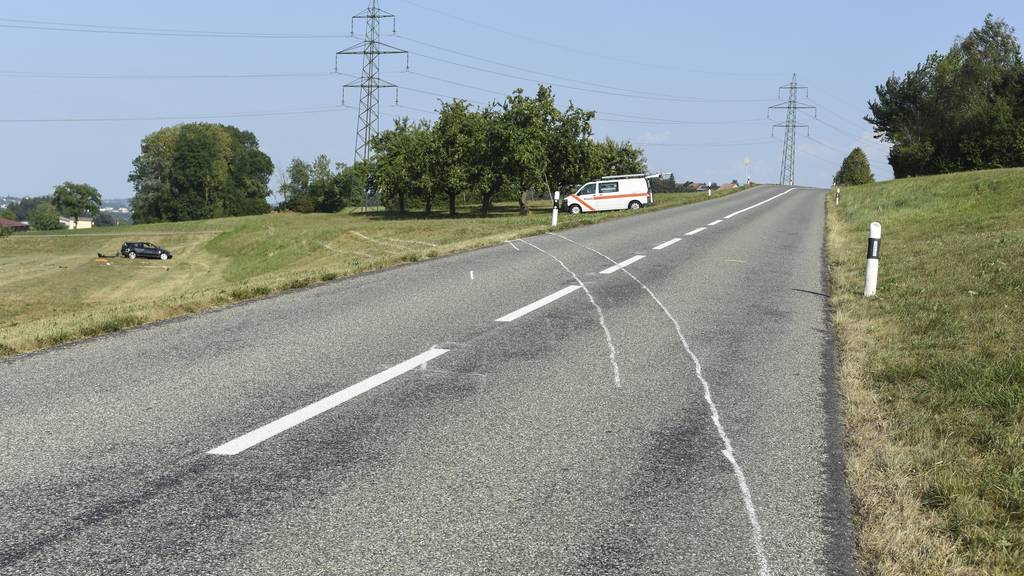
{"points": [[45, 217], [855, 170]]}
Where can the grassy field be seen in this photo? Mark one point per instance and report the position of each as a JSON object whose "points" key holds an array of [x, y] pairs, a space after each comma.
{"points": [[53, 289], [932, 372]]}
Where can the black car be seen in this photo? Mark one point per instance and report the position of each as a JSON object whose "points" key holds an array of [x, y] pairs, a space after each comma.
{"points": [[135, 250]]}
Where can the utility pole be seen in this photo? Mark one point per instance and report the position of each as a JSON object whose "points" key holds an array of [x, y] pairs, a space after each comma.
{"points": [[369, 83], [786, 175]]}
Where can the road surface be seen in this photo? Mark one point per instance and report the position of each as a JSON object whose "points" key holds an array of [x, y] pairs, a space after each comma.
{"points": [[650, 395]]}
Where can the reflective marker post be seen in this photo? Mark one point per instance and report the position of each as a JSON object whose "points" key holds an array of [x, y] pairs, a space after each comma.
{"points": [[554, 209], [837, 196], [874, 247]]}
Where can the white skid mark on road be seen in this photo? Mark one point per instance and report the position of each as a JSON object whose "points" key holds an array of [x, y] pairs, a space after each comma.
{"points": [[664, 245], [741, 480], [698, 230], [538, 304], [600, 313], [274, 428], [758, 204], [622, 264]]}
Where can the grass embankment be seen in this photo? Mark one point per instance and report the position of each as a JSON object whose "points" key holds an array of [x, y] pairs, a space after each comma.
{"points": [[53, 290], [932, 372]]}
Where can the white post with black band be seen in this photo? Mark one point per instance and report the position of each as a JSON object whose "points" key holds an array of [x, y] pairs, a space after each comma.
{"points": [[874, 248], [554, 209], [837, 196]]}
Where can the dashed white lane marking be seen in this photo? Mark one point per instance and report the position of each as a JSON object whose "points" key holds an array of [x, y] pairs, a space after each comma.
{"points": [[471, 276], [274, 428], [622, 264], [538, 304], [715, 223], [600, 313], [758, 204], [664, 245], [692, 232], [741, 480]]}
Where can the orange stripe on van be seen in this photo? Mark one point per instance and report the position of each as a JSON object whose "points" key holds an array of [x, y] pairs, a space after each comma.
{"points": [[577, 198]]}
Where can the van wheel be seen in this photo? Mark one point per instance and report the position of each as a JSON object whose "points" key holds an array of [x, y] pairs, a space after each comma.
{"points": [[634, 205], [575, 209], [131, 255]]}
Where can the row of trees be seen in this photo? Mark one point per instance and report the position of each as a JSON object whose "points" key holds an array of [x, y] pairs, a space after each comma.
{"points": [[71, 200], [962, 110], [320, 186], [502, 152]]}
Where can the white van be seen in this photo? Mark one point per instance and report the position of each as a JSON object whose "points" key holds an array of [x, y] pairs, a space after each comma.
{"points": [[629, 191]]}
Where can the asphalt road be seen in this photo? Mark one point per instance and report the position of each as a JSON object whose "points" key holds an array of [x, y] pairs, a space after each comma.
{"points": [[677, 416]]}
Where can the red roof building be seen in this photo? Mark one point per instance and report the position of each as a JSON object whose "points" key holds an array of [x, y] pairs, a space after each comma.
{"points": [[13, 225]]}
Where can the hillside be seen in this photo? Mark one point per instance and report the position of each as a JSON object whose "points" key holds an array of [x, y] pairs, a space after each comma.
{"points": [[932, 371], [53, 289]]}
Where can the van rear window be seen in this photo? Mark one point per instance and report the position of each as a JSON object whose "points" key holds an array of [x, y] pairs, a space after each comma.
{"points": [[608, 187]]}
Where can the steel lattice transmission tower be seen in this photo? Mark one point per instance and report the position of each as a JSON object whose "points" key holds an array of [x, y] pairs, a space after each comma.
{"points": [[370, 82], [786, 174]]}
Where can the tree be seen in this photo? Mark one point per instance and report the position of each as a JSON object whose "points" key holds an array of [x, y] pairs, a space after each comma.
{"points": [[73, 200], [8, 214], [45, 217], [855, 170], [963, 110], [104, 219], [406, 165], [609, 157], [199, 170]]}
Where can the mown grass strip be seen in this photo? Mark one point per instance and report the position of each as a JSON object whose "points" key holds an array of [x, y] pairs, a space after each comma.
{"points": [[54, 290], [932, 372]]}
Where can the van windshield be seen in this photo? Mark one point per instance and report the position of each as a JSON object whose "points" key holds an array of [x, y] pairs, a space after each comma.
{"points": [[587, 190]]}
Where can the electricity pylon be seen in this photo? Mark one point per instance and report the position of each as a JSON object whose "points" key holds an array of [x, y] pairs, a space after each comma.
{"points": [[786, 175], [369, 83]]}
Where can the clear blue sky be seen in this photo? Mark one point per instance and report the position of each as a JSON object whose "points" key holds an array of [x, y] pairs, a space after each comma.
{"points": [[721, 63]]}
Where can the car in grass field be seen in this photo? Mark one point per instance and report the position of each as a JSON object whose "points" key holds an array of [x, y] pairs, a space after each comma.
{"points": [[133, 250]]}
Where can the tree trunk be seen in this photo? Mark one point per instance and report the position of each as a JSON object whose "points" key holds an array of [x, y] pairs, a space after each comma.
{"points": [[429, 206], [451, 203], [401, 202], [524, 209], [486, 205]]}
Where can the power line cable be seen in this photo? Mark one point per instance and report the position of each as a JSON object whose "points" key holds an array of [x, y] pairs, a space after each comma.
{"points": [[182, 117], [51, 26], [580, 51]]}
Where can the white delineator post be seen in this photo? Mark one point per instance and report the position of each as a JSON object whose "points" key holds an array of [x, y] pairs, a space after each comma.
{"points": [[874, 246], [709, 189], [837, 196], [554, 210]]}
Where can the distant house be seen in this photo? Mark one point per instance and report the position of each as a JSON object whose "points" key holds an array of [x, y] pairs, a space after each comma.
{"points": [[695, 187], [729, 186], [13, 225], [69, 223]]}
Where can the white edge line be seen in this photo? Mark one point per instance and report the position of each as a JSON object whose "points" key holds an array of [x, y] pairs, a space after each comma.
{"points": [[513, 244], [623, 264], [715, 223], [692, 232], [299, 416], [758, 204], [539, 304], [664, 245]]}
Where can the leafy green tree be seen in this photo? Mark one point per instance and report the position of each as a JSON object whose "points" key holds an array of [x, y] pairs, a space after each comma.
{"points": [[855, 169], [72, 200], [104, 219], [44, 216], [199, 170], [316, 187], [963, 110], [406, 165], [8, 214], [609, 157], [24, 207]]}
